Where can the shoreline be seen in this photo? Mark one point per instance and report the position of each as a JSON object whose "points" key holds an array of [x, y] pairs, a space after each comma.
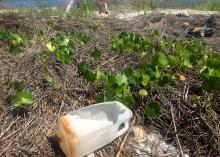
{"points": [[132, 15], [127, 15]]}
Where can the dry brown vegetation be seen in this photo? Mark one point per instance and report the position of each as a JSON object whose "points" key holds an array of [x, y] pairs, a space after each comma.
{"points": [[30, 131]]}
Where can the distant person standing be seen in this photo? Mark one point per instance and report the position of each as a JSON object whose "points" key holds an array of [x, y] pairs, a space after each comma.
{"points": [[102, 4], [71, 2]]}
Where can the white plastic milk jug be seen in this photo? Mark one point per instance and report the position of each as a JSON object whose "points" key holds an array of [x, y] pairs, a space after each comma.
{"points": [[90, 128]]}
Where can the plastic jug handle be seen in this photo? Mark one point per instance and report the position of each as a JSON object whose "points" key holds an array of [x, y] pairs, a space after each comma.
{"points": [[123, 130], [124, 119]]}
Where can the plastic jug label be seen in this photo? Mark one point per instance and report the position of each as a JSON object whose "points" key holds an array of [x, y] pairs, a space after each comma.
{"points": [[67, 138]]}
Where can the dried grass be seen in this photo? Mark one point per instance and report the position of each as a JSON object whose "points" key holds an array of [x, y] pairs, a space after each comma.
{"points": [[31, 131]]}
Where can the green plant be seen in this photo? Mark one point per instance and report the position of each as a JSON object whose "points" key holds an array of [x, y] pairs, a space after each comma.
{"points": [[204, 102], [96, 54], [82, 37], [95, 26], [88, 74], [15, 41], [52, 82], [45, 11], [152, 109], [18, 86], [21, 98], [120, 87], [166, 79], [115, 87], [211, 72], [131, 42], [62, 47], [143, 93], [211, 5], [41, 36], [163, 58], [83, 10], [189, 52]]}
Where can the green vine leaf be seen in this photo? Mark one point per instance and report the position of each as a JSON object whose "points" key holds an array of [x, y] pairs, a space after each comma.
{"points": [[160, 60], [211, 83], [14, 50], [145, 80], [99, 98], [18, 86], [82, 67], [129, 101], [121, 79], [99, 76], [187, 63], [143, 92], [48, 78], [152, 109], [96, 54], [22, 98], [50, 47], [174, 60], [165, 79], [89, 75]]}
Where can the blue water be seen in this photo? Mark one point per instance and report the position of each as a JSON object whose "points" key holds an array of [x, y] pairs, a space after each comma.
{"points": [[31, 3]]}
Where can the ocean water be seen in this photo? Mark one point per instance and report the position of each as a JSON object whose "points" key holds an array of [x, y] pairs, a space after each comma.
{"points": [[31, 3]]}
